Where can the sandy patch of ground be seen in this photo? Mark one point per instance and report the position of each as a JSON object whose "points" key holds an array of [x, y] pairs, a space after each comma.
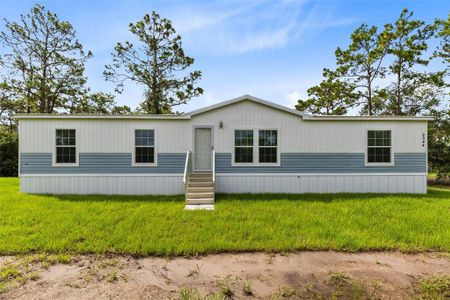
{"points": [[301, 275]]}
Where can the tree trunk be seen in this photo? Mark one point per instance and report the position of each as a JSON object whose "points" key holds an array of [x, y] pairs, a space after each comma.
{"points": [[155, 93], [369, 94], [44, 92], [29, 101], [41, 105], [398, 94]]}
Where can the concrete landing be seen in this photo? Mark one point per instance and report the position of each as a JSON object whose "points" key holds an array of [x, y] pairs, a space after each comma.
{"points": [[199, 207]]}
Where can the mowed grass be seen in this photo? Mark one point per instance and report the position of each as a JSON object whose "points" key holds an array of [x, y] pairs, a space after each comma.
{"points": [[157, 225]]}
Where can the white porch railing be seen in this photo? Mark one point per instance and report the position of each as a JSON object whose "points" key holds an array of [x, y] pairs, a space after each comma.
{"points": [[214, 166], [187, 169]]}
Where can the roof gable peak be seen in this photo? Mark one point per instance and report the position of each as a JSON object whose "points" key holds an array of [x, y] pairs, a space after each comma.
{"points": [[245, 97]]}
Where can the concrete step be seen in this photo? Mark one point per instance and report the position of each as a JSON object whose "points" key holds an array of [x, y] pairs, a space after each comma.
{"points": [[190, 201], [200, 179], [199, 207], [200, 189], [200, 195], [200, 184], [200, 175]]}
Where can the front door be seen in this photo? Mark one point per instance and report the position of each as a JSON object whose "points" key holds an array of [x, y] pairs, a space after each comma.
{"points": [[203, 149]]}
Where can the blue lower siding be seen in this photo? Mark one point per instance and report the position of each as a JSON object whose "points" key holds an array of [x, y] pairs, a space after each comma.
{"points": [[101, 163], [173, 163], [327, 163]]}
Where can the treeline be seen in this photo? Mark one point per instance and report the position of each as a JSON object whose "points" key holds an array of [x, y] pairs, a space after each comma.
{"points": [[43, 71], [383, 71], [386, 71]]}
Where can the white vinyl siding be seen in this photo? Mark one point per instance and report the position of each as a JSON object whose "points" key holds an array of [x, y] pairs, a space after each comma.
{"points": [[294, 134]]}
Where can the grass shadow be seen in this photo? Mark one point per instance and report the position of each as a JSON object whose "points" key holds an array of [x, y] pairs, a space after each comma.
{"points": [[434, 193], [119, 198]]}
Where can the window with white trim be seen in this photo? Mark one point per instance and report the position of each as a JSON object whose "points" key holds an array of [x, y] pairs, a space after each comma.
{"points": [[65, 146], [243, 146], [379, 146], [144, 146], [268, 144]]}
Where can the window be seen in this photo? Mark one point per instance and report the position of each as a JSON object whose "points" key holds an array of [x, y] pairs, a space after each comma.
{"points": [[256, 147], [243, 146], [144, 146], [379, 146], [268, 146], [65, 146]]}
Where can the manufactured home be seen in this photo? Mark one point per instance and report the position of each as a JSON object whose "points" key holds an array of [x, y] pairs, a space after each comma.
{"points": [[243, 145]]}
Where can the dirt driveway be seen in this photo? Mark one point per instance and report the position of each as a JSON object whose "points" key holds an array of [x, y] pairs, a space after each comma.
{"points": [[301, 275]]}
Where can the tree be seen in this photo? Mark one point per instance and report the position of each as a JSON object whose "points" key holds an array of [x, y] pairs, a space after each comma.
{"points": [[361, 62], [42, 71], [398, 54], [412, 91], [331, 97], [156, 65], [45, 63], [443, 32], [99, 103], [439, 129], [419, 93], [439, 144], [121, 110], [8, 133], [8, 151], [8, 106]]}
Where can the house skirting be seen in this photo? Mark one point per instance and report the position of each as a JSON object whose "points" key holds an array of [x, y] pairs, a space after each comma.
{"points": [[322, 183], [132, 184], [172, 184]]}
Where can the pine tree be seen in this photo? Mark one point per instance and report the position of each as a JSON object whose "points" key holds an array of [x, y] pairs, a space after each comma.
{"points": [[331, 97], [44, 63], [157, 65], [361, 63]]}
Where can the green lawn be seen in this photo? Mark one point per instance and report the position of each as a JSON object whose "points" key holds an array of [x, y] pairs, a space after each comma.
{"points": [[157, 225]]}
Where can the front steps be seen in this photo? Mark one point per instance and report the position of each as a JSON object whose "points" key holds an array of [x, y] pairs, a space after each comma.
{"points": [[199, 207], [200, 189]]}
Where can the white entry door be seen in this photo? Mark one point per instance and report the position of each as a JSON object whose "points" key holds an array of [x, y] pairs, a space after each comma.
{"points": [[203, 149]]}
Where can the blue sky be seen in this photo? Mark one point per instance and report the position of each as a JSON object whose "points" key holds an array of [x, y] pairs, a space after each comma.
{"points": [[274, 50]]}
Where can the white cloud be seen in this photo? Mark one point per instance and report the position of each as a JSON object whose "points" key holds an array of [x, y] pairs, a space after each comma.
{"points": [[293, 97], [187, 21], [203, 100], [232, 28], [334, 23], [220, 29]]}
